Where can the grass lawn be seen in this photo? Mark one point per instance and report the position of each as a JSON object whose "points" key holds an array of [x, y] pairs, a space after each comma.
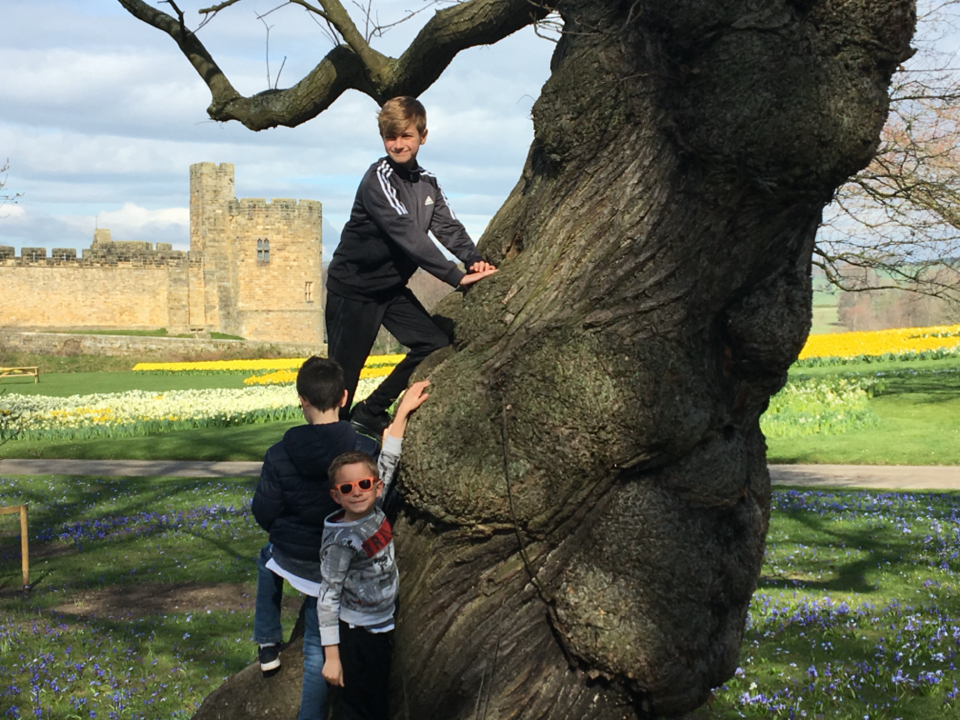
{"points": [[142, 602], [918, 407], [919, 420], [142, 595], [857, 613], [825, 320], [246, 442], [88, 383], [63, 363]]}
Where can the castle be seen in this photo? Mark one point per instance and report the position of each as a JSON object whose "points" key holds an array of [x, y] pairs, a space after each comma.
{"points": [[253, 270]]}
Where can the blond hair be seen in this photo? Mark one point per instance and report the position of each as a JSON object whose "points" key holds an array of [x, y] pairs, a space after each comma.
{"points": [[398, 113]]}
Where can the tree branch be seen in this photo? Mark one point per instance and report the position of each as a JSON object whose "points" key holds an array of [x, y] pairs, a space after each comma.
{"points": [[354, 65], [449, 31], [222, 91], [376, 63]]}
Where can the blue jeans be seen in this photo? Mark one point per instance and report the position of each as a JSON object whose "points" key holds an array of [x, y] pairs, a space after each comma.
{"points": [[267, 629]]}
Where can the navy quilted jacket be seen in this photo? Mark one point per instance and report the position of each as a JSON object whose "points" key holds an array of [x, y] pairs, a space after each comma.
{"points": [[293, 497]]}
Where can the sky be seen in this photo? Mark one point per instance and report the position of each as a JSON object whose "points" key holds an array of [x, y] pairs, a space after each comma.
{"points": [[101, 117]]}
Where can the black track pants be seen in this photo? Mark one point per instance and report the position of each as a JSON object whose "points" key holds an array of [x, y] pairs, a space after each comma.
{"points": [[352, 327], [365, 658]]}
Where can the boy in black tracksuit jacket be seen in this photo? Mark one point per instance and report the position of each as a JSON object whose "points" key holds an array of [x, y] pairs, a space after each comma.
{"points": [[381, 246]]}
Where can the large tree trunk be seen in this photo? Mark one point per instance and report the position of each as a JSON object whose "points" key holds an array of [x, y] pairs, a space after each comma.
{"points": [[586, 491], [586, 494]]}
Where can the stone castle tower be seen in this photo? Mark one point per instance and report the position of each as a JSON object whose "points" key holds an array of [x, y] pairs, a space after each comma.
{"points": [[261, 267], [253, 270]]}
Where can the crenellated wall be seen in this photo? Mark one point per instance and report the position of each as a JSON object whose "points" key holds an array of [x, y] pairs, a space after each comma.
{"points": [[253, 270]]}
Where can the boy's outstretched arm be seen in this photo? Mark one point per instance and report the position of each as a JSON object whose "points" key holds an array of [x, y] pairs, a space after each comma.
{"points": [[389, 459]]}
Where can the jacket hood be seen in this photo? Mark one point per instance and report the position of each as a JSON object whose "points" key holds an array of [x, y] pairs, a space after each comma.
{"points": [[313, 447]]}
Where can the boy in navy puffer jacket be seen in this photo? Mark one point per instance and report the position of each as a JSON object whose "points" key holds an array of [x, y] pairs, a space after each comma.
{"points": [[291, 502]]}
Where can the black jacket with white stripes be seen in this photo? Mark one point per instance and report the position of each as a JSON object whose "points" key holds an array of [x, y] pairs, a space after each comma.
{"points": [[386, 238]]}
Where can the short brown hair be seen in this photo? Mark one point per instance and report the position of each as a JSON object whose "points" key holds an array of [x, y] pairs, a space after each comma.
{"points": [[397, 114], [320, 383], [351, 458]]}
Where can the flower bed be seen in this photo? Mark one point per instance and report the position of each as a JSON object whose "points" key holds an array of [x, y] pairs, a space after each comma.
{"points": [[827, 406], [219, 366], [856, 614], [138, 412], [935, 342]]}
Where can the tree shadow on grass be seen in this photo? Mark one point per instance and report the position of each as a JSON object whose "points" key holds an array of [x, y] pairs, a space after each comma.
{"points": [[929, 389], [847, 576], [242, 442], [127, 531]]}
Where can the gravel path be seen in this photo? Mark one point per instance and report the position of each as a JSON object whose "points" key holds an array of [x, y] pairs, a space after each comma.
{"points": [[884, 477]]}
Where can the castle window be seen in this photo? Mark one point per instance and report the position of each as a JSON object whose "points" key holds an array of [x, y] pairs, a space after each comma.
{"points": [[308, 292], [263, 251]]}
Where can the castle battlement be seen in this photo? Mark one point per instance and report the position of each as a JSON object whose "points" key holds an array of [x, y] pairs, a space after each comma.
{"points": [[253, 270], [102, 251]]}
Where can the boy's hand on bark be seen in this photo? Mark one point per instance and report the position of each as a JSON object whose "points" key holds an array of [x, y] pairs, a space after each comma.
{"points": [[470, 278], [414, 397], [481, 266]]}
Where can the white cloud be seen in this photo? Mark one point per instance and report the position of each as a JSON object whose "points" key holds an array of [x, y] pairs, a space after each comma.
{"points": [[126, 222], [103, 117]]}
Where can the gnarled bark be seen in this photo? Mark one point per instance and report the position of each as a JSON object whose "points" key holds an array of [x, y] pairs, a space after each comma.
{"points": [[586, 495]]}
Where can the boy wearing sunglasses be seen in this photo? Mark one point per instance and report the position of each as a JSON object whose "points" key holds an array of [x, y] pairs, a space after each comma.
{"points": [[359, 588]]}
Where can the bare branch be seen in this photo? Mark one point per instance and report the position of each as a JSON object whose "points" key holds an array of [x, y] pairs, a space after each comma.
{"points": [[220, 88], [217, 8], [7, 197], [267, 51], [353, 65], [896, 224]]}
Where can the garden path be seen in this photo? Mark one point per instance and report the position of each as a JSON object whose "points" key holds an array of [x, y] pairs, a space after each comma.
{"points": [[881, 477]]}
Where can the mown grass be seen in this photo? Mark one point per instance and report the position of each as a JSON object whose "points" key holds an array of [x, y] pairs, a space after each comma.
{"points": [[919, 410], [245, 442], [97, 538], [857, 613], [88, 383], [60, 364]]}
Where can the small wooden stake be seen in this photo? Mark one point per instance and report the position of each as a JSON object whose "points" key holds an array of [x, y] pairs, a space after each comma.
{"points": [[24, 542], [24, 548]]}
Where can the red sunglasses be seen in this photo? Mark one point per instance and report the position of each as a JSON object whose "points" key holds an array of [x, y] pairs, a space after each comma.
{"points": [[347, 487]]}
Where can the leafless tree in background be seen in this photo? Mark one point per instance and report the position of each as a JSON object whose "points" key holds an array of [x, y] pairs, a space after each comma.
{"points": [[899, 217]]}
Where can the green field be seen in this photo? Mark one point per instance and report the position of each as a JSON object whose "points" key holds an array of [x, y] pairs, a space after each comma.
{"points": [[919, 411], [825, 319], [88, 383]]}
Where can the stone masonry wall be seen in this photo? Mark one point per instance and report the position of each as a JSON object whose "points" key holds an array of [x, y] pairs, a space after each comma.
{"points": [[253, 270], [84, 296], [277, 249]]}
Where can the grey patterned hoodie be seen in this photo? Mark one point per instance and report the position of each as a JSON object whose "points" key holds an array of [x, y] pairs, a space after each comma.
{"points": [[360, 579]]}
